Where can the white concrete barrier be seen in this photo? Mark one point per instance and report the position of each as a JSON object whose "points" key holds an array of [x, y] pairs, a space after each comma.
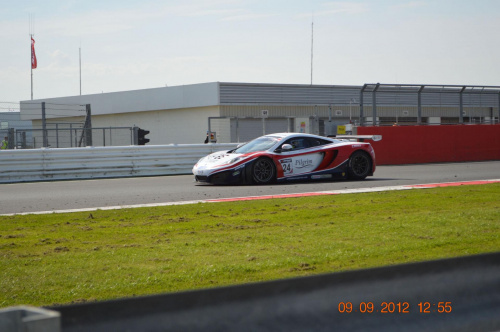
{"points": [[102, 162]]}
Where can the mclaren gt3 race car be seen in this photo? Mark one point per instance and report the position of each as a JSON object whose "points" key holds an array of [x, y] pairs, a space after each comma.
{"points": [[289, 156]]}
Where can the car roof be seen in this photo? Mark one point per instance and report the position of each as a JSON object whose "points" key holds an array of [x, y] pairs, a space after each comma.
{"points": [[290, 135]]}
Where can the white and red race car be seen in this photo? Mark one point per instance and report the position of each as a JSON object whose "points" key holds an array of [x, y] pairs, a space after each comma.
{"points": [[289, 156]]}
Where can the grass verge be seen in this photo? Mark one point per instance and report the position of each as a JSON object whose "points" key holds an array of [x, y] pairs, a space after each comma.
{"points": [[77, 257]]}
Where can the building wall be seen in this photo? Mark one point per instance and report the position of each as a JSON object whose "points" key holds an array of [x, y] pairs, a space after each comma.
{"points": [[394, 102], [13, 120], [344, 111], [175, 126]]}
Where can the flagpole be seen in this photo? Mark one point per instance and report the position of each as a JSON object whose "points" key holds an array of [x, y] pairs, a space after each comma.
{"points": [[31, 64], [32, 33], [80, 54], [312, 49]]}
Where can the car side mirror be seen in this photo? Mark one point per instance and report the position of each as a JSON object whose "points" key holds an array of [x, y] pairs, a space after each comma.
{"points": [[286, 147]]}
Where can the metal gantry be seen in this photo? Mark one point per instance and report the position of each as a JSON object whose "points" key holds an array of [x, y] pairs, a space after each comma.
{"points": [[419, 89]]}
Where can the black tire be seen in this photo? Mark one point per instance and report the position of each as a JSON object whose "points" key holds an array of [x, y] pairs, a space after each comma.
{"points": [[360, 165], [263, 171]]}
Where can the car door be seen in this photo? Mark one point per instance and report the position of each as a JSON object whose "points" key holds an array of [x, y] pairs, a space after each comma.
{"points": [[303, 158]]}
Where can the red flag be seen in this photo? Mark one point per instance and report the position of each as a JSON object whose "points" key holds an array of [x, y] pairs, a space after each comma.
{"points": [[33, 55]]}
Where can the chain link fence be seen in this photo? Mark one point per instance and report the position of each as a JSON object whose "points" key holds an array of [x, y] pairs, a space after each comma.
{"points": [[59, 126], [74, 137]]}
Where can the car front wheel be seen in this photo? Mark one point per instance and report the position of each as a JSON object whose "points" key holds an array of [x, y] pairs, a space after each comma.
{"points": [[263, 171]]}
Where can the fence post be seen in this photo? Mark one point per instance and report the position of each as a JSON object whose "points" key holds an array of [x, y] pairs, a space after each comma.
{"points": [[498, 109], [23, 140], [135, 135], [57, 135], [461, 107], [361, 107], [88, 126], [419, 105], [374, 104], [12, 138], [45, 141], [237, 130]]}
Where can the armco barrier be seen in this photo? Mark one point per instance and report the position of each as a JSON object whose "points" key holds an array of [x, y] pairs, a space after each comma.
{"points": [[430, 144], [102, 162]]}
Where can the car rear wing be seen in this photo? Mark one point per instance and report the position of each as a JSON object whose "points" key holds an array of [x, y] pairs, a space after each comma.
{"points": [[359, 138]]}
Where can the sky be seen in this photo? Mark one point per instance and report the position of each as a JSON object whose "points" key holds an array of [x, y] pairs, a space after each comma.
{"points": [[131, 45]]}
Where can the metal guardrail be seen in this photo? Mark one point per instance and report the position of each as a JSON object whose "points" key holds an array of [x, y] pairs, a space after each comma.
{"points": [[460, 294], [102, 162]]}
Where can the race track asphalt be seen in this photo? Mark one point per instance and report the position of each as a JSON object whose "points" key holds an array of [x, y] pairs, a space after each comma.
{"points": [[65, 195]]}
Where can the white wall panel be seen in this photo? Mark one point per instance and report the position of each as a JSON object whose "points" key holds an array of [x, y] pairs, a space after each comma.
{"points": [[178, 126]]}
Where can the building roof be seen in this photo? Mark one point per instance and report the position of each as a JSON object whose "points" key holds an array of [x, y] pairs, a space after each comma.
{"points": [[175, 97], [230, 93]]}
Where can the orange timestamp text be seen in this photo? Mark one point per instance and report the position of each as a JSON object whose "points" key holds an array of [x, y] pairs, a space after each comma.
{"points": [[395, 307]]}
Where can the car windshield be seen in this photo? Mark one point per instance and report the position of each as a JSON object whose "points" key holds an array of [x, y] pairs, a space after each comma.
{"points": [[258, 144]]}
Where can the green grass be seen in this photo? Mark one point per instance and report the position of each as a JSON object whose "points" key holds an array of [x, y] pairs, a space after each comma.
{"points": [[76, 257]]}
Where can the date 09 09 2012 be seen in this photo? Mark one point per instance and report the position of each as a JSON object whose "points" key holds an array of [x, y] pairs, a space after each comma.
{"points": [[395, 307]]}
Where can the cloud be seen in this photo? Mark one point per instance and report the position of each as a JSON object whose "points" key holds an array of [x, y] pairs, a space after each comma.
{"points": [[209, 12], [410, 5], [247, 17], [116, 20], [58, 54], [334, 8], [93, 23]]}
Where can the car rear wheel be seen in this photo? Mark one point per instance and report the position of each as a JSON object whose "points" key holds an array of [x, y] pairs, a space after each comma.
{"points": [[263, 171], [360, 165]]}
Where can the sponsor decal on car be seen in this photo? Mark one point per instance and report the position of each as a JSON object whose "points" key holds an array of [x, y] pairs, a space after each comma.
{"points": [[286, 164], [321, 176], [239, 167], [301, 163], [298, 178]]}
